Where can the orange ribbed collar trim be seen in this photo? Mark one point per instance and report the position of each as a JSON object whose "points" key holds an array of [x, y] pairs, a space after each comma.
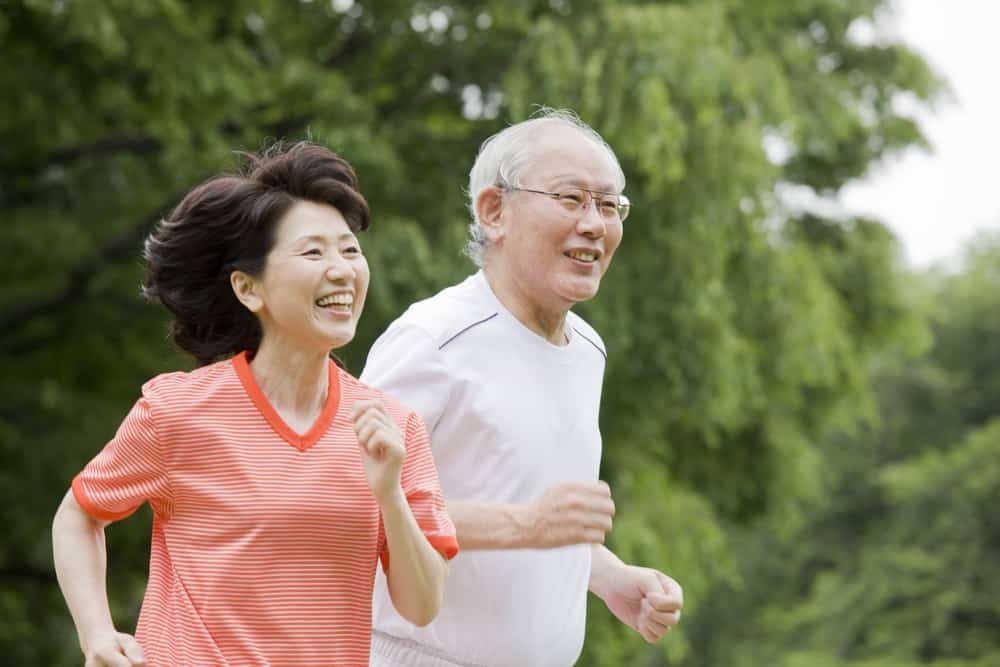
{"points": [[241, 363]]}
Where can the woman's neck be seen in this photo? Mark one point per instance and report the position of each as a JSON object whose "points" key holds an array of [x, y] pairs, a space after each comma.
{"points": [[295, 381]]}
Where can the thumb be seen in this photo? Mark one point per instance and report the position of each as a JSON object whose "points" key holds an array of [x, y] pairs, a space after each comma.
{"points": [[670, 586], [130, 647]]}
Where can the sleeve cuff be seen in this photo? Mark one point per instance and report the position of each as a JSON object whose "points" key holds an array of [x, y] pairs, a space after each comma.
{"points": [[80, 494], [446, 545]]}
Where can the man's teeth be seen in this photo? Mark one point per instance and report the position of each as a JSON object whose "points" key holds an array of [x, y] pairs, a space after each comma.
{"points": [[583, 256], [336, 300]]}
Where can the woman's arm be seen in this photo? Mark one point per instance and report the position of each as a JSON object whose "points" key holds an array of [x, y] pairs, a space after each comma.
{"points": [[417, 572], [81, 561]]}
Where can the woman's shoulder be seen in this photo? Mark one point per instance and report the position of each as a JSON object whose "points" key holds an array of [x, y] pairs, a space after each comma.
{"points": [[196, 384], [353, 390]]}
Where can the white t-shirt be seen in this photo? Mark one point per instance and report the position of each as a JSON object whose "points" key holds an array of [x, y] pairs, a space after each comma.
{"points": [[509, 415]]}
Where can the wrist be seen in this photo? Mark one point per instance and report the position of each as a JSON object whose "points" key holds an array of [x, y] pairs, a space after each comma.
{"points": [[604, 569], [391, 499], [93, 638], [524, 518]]}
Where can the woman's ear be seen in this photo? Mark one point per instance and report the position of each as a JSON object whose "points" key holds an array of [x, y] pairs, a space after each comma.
{"points": [[490, 212], [245, 288]]}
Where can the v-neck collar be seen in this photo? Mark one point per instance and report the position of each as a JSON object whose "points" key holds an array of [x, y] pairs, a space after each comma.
{"points": [[241, 364]]}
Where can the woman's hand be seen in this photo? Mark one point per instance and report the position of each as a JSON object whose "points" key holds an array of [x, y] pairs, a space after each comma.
{"points": [[382, 449], [114, 650]]}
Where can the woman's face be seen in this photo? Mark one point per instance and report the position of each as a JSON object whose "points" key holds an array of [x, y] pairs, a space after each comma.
{"points": [[314, 283]]}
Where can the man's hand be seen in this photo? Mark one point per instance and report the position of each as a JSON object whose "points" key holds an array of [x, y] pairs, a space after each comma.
{"points": [[644, 599], [114, 650], [570, 513]]}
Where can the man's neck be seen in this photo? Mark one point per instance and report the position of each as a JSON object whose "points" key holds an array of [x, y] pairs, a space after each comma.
{"points": [[548, 322]]}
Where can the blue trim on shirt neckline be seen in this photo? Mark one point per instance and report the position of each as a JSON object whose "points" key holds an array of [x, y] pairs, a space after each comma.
{"points": [[485, 319], [583, 336]]}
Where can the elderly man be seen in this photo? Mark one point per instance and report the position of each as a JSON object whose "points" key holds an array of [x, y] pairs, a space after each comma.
{"points": [[508, 381]]}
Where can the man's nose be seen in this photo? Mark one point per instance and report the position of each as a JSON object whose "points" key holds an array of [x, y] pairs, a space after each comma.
{"points": [[592, 223]]}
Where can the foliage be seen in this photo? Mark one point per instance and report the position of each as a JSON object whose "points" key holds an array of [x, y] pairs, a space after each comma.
{"points": [[741, 334], [898, 564]]}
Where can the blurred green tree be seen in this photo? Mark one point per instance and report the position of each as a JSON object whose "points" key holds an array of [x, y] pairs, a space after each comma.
{"points": [[740, 331], [898, 565]]}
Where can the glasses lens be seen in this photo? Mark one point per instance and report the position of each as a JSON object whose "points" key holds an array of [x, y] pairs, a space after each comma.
{"points": [[624, 206], [572, 199]]}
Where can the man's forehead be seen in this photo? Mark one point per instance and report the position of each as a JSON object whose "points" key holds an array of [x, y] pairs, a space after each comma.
{"points": [[562, 167], [571, 156]]}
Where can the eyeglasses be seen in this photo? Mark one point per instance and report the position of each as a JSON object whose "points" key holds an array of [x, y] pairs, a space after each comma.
{"points": [[611, 207]]}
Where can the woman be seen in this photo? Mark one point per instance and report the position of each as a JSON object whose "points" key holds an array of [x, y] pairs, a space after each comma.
{"points": [[276, 479]]}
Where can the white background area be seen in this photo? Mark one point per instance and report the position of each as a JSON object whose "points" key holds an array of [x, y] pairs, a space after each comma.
{"points": [[937, 201]]}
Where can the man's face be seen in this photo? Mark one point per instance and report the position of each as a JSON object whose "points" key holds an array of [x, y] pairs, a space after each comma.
{"points": [[557, 258]]}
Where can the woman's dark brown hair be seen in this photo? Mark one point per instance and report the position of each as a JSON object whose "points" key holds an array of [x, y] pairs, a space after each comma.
{"points": [[228, 223]]}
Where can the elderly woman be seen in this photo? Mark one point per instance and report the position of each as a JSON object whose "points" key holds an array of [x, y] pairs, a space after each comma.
{"points": [[276, 479]]}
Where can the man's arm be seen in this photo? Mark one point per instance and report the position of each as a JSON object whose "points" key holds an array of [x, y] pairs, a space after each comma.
{"points": [[568, 513], [644, 599]]}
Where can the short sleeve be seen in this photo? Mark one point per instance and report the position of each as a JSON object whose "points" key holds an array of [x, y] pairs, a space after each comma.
{"points": [[406, 364], [127, 472], [420, 484]]}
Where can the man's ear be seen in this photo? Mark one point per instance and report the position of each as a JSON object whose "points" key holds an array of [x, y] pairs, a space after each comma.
{"points": [[245, 289], [489, 211]]}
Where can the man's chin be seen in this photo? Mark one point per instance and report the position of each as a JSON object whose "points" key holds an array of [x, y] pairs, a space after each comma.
{"points": [[579, 291]]}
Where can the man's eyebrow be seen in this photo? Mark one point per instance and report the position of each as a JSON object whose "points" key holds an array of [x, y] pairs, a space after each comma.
{"points": [[574, 180]]}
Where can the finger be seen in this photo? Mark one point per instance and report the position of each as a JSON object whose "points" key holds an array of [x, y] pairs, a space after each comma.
{"points": [[670, 586], [365, 407], [389, 445], [132, 650], [359, 408], [111, 658], [656, 622], [663, 603], [655, 631], [366, 431], [587, 503], [665, 618], [595, 488], [592, 521], [647, 635]]}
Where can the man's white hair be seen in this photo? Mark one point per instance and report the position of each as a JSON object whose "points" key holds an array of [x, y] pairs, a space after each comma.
{"points": [[504, 156]]}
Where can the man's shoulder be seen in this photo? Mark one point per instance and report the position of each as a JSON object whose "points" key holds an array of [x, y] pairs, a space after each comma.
{"points": [[449, 312]]}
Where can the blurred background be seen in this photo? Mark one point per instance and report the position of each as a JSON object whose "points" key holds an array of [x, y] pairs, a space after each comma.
{"points": [[800, 414]]}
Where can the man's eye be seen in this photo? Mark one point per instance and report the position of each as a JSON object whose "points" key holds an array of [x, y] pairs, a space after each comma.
{"points": [[574, 198]]}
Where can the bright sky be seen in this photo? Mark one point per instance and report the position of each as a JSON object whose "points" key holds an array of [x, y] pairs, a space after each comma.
{"points": [[935, 202]]}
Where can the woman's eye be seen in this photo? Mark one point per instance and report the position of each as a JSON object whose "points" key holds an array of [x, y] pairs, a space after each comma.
{"points": [[352, 250], [313, 252]]}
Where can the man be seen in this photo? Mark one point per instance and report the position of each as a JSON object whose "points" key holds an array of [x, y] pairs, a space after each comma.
{"points": [[508, 381]]}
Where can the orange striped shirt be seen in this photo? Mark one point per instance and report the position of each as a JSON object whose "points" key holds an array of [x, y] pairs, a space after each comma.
{"points": [[264, 541]]}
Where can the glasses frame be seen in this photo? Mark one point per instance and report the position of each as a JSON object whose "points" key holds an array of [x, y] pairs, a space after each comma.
{"points": [[598, 195]]}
